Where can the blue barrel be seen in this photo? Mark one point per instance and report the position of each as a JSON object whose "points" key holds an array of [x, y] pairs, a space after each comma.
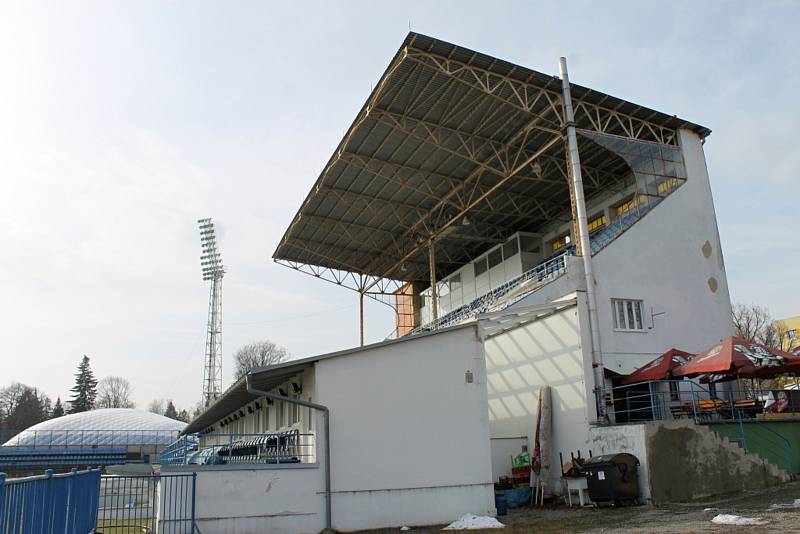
{"points": [[500, 503]]}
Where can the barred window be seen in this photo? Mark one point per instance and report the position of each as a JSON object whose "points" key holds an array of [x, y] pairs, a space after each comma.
{"points": [[627, 314]]}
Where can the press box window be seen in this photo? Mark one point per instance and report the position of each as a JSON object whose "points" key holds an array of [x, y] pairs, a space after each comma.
{"points": [[627, 314], [597, 223], [510, 248], [561, 242], [627, 206], [480, 267], [495, 257]]}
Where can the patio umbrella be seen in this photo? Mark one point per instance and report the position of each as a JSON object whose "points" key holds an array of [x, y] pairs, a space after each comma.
{"points": [[660, 368], [735, 357]]}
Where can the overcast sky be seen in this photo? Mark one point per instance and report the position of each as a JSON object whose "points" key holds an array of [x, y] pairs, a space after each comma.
{"points": [[121, 123]]}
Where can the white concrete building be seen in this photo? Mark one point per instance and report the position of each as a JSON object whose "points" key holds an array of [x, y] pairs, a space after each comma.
{"points": [[451, 199], [409, 440]]}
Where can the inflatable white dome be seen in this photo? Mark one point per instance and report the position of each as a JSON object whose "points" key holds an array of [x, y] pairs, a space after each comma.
{"points": [[105, 428]]}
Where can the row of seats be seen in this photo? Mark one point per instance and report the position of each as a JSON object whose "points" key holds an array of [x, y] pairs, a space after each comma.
{"points": [[275, 447], [51, 458], [546, 270]]}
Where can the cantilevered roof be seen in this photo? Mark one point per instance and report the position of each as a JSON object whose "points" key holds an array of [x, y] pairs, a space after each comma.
{"points": [[460, 147]]}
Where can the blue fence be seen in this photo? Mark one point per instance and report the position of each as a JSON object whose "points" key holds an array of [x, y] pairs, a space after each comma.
{"points": [[50, 503]]}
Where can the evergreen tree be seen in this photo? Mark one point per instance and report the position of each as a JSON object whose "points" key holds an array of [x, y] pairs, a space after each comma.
{"points": [[85, 389], [32, 407], [171, 412], [58, 409]]}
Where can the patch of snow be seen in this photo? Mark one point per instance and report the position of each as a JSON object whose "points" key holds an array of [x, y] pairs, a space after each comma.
{"points": [[474, 522], [404, 528], [795, 504], [709, 509], [730, 519]]}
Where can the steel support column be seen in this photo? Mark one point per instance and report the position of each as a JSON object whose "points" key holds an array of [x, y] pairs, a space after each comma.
{"points": [[434, 292], [361, 317], [583, 239]]}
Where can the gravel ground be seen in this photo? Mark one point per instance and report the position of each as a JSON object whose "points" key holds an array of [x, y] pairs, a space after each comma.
{"points": [[673, 518]]}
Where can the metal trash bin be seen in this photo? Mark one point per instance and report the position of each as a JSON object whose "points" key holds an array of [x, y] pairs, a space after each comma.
{"points": [[613, 478]]}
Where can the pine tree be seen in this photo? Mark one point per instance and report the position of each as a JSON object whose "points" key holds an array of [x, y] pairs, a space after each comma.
{"points": [[85, 389], [171, 412], [58, 409]]}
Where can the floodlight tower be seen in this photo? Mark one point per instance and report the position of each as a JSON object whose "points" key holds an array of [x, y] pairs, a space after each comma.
{"points": [[213, 271]]}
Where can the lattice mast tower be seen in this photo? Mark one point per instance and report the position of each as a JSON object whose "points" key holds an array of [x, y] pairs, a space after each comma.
{"points": [[213, 271]]}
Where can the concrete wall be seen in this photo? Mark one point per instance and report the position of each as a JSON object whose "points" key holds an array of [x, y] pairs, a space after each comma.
{"points": [[233, 500], [519, 362], [409, 433], [672, 260], [624, 438], [688, 461]]}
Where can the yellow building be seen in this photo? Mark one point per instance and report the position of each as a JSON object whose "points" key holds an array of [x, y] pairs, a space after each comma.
{"points": [[788, 329]]}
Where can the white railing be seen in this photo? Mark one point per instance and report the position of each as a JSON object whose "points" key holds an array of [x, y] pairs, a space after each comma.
{"points": [[495, 299]]}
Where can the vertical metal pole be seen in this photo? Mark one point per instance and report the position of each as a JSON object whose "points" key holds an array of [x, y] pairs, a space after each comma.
{"points": [[361, 317], [434, 292], [583, 238], [194, 494]]}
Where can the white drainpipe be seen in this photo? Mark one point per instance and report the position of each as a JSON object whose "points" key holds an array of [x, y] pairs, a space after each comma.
{"points": [[583, 237]]}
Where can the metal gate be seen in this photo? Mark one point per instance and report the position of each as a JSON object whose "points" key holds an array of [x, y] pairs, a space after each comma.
{"points": [[147, 504]]}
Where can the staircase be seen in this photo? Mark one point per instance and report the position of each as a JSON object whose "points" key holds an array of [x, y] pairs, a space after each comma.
{"points": [[690, 461]]}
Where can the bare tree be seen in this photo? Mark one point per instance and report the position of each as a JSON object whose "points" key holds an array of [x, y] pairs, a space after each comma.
{"points": [[156, 406], [114, 392], [751, 320], [755, 322], [258, 354]]}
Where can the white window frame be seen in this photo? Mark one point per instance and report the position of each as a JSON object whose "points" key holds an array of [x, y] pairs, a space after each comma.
{"points": [[629, 321]]}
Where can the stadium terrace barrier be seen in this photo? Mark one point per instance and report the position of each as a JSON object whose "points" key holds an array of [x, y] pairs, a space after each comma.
{"points": [[50, 503], [288, 447], [534, 278]]}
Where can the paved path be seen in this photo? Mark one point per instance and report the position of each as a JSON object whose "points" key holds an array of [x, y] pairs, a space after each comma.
{"points": [[674, 518]]}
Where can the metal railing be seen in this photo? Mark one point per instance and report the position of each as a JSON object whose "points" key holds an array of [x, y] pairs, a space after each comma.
{"points": [[531, 280], [64, 503], [144, 504], [736, 411], [289, 447], [91, 438], [527, 282], [603, 237], [673, 399]]}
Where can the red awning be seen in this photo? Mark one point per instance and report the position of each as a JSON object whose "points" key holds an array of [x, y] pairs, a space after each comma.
{"points": [[737, 357], [660, 368]]}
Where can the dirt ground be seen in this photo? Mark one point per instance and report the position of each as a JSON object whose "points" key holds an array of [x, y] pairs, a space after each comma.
{"points": [[674, 518]]}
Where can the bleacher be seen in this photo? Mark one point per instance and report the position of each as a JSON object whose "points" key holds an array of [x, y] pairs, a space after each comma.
{"points": [[16, 459], [540, 274], [516, 289]]}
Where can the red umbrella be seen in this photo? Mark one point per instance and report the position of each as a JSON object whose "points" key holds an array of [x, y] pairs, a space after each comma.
{"points": [[660, 368], [736, 357]]}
